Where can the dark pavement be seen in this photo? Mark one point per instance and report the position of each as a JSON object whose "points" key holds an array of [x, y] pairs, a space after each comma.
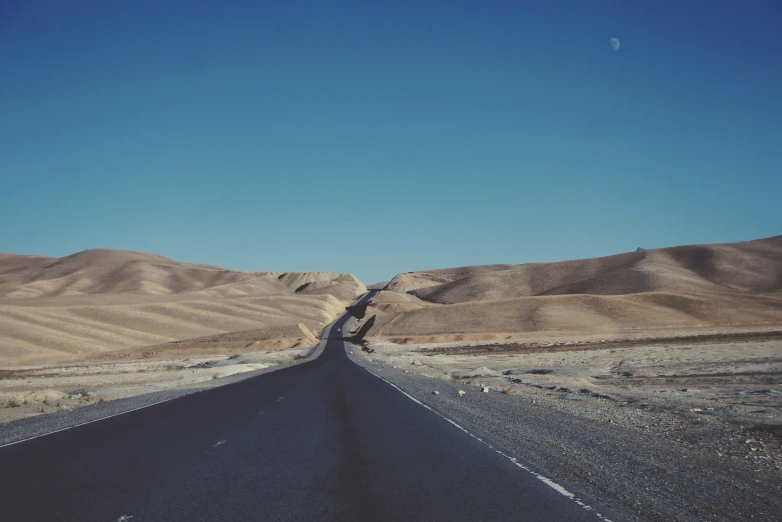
{"points": [[323, 440]]}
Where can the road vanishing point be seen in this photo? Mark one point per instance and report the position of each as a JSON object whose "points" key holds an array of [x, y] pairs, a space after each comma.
{"points": [[321, 440]]}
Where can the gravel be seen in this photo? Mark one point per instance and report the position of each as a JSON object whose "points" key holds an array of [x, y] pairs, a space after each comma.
{"points": [[642, 473]]}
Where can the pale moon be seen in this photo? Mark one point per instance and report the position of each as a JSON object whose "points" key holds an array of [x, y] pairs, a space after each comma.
{"points": [[614, 43]]}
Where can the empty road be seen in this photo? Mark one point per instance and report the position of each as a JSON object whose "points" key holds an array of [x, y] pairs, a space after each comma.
{"points": [[323, 440]]}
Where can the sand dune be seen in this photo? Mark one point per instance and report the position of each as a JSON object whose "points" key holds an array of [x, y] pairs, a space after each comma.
{"points": [[679, 287], [106, 300]]}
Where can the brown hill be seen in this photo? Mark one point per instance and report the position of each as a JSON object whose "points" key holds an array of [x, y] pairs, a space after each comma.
{"points": [[700, 286], [749, 267], [583, 313], [103, 271], [107, 300]]}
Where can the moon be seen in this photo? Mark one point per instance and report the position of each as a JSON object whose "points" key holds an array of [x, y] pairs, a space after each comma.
{"points": [[614, 43]]}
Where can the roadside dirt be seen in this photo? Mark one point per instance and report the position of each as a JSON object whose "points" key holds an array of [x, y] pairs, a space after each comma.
{"points": [[721, 389], [602, 344], [34, 390], [686, 427]]}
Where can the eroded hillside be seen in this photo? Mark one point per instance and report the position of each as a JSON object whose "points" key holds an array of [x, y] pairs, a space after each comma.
{"points": [[700, 286], [107, 300]]}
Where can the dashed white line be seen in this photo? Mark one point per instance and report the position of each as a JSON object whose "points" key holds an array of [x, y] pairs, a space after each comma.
{"points": [[550, 483], [219, 443]]}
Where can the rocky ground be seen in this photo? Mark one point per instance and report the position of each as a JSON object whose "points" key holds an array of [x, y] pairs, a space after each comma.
{"points": [[34, 390], [663, 429]]}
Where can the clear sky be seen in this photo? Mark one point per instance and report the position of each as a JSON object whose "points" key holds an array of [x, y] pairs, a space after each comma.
{"points": [[382, 137]]}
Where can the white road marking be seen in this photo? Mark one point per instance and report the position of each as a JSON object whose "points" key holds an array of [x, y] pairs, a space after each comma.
{"points": [[95, 420], [278, 400], [124, 518], [553, 485], [219, 443]]}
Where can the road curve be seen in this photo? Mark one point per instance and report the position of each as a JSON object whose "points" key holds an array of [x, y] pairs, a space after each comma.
{"points": [[323, 440]]}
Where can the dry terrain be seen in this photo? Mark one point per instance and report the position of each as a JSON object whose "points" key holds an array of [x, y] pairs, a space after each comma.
{"points": [[679, 427], [676, 351], [638, 327], [46, 389], [669, 289], [661, 384], [683, 342], [115, 323]]}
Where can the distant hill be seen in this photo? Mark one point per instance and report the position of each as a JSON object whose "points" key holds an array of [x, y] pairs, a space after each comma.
{"points": [[748, 267], [684, 287], [103, 271], [101, 301]]}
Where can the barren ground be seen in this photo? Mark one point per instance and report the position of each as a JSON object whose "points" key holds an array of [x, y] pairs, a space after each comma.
{"points": [[33, 390], [721, 389]]}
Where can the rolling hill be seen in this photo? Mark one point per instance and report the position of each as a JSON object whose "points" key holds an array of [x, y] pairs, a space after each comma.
{"points": [[99, 301], [679, 287], [749, 267]]}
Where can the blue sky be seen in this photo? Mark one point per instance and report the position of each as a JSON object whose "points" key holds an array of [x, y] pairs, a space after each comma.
{"points": [[383, 137]]}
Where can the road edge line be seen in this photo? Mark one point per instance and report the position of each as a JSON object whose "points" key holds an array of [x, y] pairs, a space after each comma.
{"points": [[550, 483], [316, 352]]}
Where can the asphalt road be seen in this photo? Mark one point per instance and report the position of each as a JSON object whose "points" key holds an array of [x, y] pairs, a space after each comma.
{"points": [[323, 440]]}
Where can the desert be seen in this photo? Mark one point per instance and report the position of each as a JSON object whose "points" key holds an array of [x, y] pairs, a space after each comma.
{"points": [[673, 355], [105, 324], [689, 337]]}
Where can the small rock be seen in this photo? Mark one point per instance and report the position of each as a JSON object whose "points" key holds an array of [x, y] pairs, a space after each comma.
{"points": [[485, 389], [405, 371], [435, 392], [461, 392], [534, 401], [205, 364]]}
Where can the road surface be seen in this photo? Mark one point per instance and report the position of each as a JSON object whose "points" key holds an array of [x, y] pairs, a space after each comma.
{"points": [[323, 440]]}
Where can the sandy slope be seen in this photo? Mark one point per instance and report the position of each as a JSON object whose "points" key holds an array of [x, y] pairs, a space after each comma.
{"points": [[752, 266], [102, 271], [668, 288], [105, 300]]}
